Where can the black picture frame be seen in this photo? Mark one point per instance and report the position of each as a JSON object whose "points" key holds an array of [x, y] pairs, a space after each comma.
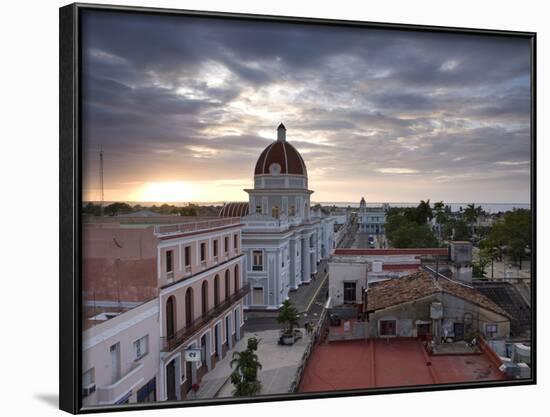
{"points": [[70, 183]]}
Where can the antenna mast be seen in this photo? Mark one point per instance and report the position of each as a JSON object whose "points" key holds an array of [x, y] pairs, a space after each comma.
{"points": [[101, 178]]}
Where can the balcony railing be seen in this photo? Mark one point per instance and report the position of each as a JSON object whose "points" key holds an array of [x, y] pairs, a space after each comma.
{"points": [[170, 343], [169, 229]]}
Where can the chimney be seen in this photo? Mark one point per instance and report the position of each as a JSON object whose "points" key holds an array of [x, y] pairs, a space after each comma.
{"points": [[281, 133]]}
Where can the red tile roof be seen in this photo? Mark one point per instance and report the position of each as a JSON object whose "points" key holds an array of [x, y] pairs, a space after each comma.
{"points": [[419, 285]]}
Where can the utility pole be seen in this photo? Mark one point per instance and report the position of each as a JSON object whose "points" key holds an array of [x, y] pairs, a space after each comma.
{"points": [[101, 179]]}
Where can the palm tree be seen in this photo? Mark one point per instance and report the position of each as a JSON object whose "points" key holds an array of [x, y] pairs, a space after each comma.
{"points": [[288, 316], [472, 213], [245, 375], [424, 211], [440, 217]]}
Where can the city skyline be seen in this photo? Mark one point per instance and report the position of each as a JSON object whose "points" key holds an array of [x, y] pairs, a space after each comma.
{"points": [[396, 116]]}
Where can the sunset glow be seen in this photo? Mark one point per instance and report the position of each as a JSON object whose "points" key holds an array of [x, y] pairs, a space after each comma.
{"points": [[167, 191]]}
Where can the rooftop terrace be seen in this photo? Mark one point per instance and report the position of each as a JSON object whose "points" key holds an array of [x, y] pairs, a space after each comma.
{"points": [[378, 363]]}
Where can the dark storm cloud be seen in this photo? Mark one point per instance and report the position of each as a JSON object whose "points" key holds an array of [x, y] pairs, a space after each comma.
{"points": [[163, 89]]}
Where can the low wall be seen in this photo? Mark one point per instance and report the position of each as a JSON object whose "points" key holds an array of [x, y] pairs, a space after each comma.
{"points": [[316, 336]]}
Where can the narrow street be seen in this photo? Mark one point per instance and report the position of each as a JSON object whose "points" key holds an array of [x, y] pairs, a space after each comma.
{"points": [[308, 299]]}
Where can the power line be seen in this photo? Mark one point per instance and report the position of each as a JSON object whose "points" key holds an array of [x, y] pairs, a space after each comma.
{"points": [[101, 178]]}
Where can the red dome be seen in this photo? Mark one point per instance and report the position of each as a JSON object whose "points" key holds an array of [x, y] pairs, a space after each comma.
{"points": [[234, 210], [284, 155]]}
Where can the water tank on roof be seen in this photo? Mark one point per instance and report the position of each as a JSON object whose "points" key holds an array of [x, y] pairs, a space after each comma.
{"points": [[436, 310], [376, 266]]}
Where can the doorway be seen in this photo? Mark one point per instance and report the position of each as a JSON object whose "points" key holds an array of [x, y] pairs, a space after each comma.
{"points": [[203, 350], [458, 331], [257, 296], [115, 362], [349, 292], [218, 341], [423, 330], [171, 381]]}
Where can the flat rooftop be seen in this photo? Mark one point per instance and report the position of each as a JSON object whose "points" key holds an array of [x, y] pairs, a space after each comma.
{"points": [[391, 251], [379, 363]]}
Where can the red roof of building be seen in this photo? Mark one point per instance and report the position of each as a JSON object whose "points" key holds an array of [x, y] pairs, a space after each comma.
{"points": [[421, 284], [400, 267], [392, 251], [378, 363], [284, 154], [234, 210]]}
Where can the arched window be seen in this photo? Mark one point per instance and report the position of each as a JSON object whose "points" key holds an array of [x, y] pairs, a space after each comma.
{"points": [[204, 297], [227, 284], [236, 278], [216, 290], [170, 317], [189, 306]]}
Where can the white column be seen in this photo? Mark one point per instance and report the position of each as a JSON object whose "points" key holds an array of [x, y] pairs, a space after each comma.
{"points": [[306, 260], [313, 249], [292, 266]]}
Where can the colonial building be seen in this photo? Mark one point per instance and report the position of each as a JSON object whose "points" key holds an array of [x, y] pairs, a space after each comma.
{"points": [[120, 361], [351, 270], [201, 298], [283, 241], [371, 219], [154, 288], [120, 337], [425, 303]]}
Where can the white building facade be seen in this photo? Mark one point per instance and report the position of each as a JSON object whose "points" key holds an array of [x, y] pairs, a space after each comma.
{"points": [[282, 240], [120, 357], [371, 219]]}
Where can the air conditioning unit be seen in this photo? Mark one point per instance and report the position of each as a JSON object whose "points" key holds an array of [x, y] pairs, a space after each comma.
{"points": [[510, 369], [88, 389]]}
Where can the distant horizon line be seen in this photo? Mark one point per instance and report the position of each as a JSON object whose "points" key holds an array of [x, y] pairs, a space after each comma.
{"points": [[315, 202]]}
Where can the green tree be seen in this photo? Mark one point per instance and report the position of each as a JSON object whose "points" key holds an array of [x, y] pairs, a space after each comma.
{"points": [[471, 214], [413, 235], [424, 211], [490, 253], [115, 209], [92, 209], [512, 236], [245, 376], [407, 228], [190, 210], [479, 266], [457, 229], [288, 316]]}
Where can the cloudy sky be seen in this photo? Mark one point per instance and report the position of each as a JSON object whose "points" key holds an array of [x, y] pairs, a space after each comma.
{"points": [[182, 108]]}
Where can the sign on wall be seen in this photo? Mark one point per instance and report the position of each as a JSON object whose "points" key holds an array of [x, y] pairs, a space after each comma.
{"points": [[193, 355]]}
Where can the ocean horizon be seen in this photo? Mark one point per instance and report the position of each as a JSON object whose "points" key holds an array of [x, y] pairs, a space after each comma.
{"points": [[488, 207]]}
